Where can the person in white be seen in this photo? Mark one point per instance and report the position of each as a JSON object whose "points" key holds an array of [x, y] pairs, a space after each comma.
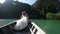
{"points": [[22, 23]]}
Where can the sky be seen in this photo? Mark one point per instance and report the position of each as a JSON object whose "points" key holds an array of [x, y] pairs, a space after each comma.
{"points": [[59, 0], [24, 1], [2, 1], [28, 1]]}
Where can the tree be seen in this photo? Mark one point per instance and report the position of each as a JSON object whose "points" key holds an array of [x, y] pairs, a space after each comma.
{"points": [[50, 16], [46, 6], [57, 15]]}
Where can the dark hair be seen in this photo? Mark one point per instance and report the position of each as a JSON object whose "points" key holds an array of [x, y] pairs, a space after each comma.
{"points": [[23, 12]]}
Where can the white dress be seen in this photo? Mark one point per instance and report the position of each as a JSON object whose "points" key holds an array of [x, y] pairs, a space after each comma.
{"points": [[22, 23]]}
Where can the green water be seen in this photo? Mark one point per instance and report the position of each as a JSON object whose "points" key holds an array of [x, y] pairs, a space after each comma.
{"points": [[49, 26], [5, 21]]}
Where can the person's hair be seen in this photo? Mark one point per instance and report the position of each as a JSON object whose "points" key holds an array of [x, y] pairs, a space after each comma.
{"points": [[23, 12]]}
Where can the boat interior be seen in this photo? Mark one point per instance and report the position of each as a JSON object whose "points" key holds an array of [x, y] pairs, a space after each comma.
{"points": [[31, 28], [8, 29]]}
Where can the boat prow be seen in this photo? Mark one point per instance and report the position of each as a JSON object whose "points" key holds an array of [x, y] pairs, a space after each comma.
{"points": [[36, 30], [32, 28]]}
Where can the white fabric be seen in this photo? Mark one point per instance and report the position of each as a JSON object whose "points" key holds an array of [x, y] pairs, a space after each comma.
{"points": [[22, 23]]}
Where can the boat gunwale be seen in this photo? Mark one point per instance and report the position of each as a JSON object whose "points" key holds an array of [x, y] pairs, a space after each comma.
{"points": [[8, 24]]}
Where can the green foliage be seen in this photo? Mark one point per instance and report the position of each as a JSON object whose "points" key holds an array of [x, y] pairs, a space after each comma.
{"points": [[49, 16], [47, 5], [53, 16], [57, 15]]}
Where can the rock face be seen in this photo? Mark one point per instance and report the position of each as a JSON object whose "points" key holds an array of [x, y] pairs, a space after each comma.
{"points": [[12, 9]]}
